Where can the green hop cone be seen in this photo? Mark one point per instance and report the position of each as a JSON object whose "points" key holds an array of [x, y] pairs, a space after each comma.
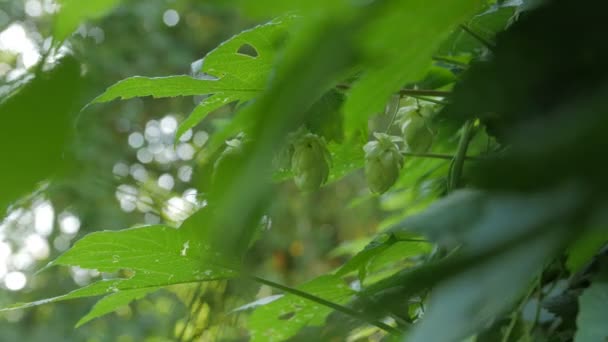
{"points": [[310, 162], [418, 137], [382, 163]]}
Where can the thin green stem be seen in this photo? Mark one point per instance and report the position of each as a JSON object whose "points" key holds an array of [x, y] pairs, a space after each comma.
{"points": [[196, 295], [538, 305], [477, 36], [437, 156], [449, 60], [515, 314], [458, 163], [410, 92], [395, 110], [343, 309], [422, 98]]}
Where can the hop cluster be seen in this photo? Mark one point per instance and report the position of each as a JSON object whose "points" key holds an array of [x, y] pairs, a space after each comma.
{"points": [[310, 161], [416, 134], [382, 163]]}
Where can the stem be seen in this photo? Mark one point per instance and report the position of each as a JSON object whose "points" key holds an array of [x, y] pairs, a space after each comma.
{"points": [[538, 305], [437, 156], [394, 110], [458, 163], [410, 92], [196, 295], [515, 314], [449, 60], [421, 98], [475, 35], [343, 309]]}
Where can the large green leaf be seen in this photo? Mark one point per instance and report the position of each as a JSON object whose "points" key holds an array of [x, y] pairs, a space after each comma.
{"points": [[466, 303], [591, 320], [157, 256], [73, 12], [503, 241], [227, 73], [284, 317]]}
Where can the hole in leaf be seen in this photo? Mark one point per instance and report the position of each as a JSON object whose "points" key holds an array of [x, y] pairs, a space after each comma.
{"points": [[248, 50], [286, 316]]}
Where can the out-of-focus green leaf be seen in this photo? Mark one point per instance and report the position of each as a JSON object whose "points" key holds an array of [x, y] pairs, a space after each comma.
{"points": [[326, 118], [583, 249], [466, 303], [479, 220], [591, 320], [73, 12], [285, 316], [400, 45], [490, 230], [36, 126]]}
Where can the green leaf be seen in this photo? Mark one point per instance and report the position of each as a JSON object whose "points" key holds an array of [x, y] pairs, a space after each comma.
{"points": [[170, 86], [225, 72], [73, 12], [407, 34], [480, 222], [583, 249], [156, 255], [591, 320], [361, 259], [284, 317], [111, 302]]}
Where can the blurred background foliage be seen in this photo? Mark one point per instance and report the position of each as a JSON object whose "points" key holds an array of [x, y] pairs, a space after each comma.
{"points": [[120, 169], [115, 165]]}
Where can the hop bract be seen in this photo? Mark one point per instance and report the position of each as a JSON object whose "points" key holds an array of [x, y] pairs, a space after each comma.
{"points": [[416, 134], [382, 163], [310, 162]]}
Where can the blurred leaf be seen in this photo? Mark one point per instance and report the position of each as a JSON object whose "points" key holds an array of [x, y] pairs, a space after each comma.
{"points": [[583, 249], [469, 301], [284, 317], [495, 235], [36, 126], [480, 220], [591, 320], [326, 116], [73, 12]]}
